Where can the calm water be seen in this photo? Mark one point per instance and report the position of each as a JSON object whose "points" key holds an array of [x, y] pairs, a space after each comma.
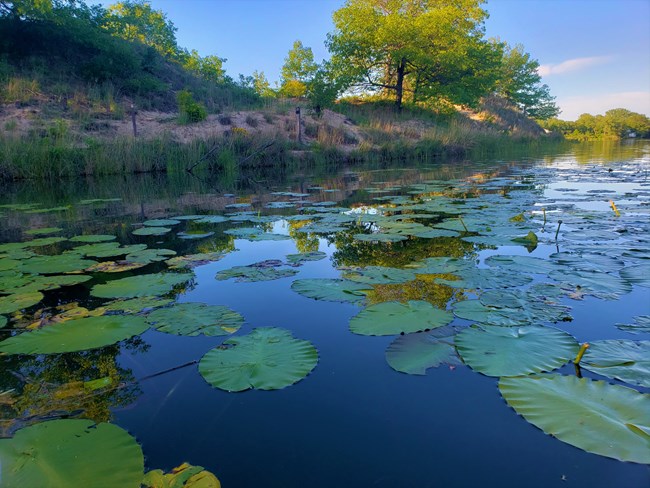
{"points": [[353, 421]]}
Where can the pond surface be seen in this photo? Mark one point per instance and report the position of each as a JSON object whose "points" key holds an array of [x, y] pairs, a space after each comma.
{"points": [[410, 326]]}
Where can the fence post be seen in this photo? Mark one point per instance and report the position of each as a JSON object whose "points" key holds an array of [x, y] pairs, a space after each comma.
{"points": [[298, 126], [135, 127]]}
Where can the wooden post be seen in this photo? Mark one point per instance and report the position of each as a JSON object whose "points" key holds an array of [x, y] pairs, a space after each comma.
{"points": [[135, 127], [298, 126]]}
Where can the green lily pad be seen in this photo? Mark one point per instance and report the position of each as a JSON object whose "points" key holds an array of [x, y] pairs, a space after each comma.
{"points": [[13, 303], [609, 420], [621, 359], [151, 231], [415, 353], [3, 321], [67, 453], [638, 275], [599, 284], [9, 264], [246, 274], [389, 318], [53, 282], [305, 256], [191, 319], [641, 324], [75, 335], [147, 256], [211, 219], [380, 275], [114, 266], [93, 238], [44, 241], [60, 263], [161, 222], [43, 231], [183, 476], [137, 305], [190, 235], [107, 249], [513, 351], [329, 289], [140, 286], [268, 358], [193, 260], [475, 311], [380, 237]]}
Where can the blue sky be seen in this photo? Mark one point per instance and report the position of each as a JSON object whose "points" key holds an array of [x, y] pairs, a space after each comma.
{"points": [[594, 54]]}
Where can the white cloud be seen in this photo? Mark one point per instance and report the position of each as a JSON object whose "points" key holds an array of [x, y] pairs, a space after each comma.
{"points": [[569, 65], [573, 107]]}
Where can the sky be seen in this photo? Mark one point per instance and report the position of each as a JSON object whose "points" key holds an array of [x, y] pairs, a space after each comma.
{"points": [[593, 54]]}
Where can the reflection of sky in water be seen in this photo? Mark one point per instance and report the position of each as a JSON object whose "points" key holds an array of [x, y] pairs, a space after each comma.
{"points": [[600, 194]]}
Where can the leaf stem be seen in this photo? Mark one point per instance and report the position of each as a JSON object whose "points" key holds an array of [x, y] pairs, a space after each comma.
{"points": [[461, 221], [559, 223], [581, 352]]}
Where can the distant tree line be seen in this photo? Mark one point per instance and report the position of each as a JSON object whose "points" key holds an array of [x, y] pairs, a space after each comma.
{"points": [[617, 123]]}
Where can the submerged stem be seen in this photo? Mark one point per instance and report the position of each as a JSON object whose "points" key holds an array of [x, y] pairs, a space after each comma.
{"points": [[559, 223], [581, 352]]}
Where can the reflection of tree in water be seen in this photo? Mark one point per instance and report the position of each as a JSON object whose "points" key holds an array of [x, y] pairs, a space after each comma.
{"points": [[422, 288], [351, 252], [37, 388], [305, 242]]}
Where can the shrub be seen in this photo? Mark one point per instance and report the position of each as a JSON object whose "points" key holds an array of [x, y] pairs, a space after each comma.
{"points": [[225, 120], [190, 110], [251, 121]]}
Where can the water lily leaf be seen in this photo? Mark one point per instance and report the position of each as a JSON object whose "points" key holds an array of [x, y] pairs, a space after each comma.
{"points": [[255, 234], [106, 249], [621, 359], [3, 321], [522, 264], [160, 222], [75, 335], [211, 219], [190, 235], [305, 256], [66, 453], [60, 263], [183, 476], [609, 420], [475, 311], [513, 351], [8, 264], [254, 272], [54, 282], [333, 290], [193, 260], [415, 353], [380, 237], [599, 284], [641, 324], [389, 318], [93, 238], [268, 358], [13, 303], [43, 231], [191, 319], [114, 266], [137, 305], [151, 231], [147, 256], [140, 286], [376, 275], [11, 280], [639, 275], [44, 241]]}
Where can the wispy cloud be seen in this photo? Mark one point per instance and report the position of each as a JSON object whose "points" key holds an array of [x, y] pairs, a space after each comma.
{"points": [[573, 107], [576, 64]]}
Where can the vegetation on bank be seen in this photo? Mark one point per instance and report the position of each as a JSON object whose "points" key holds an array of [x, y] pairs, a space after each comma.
{"points": [[72, 76], [616, 124]]}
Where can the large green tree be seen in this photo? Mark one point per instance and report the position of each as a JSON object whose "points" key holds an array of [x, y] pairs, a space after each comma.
{"points": [[298, 69], [519, 81], [428, 48]]}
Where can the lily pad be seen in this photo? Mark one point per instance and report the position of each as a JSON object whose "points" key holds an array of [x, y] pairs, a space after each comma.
{"points": [[147, 256], [161, 222], [609, 420], [140, 286], [75, 335], [255, 273], [329, 289], [183, 476], [151, 231], [513, 351], [93, 238], [114, 266], [137, 305], [190, 235], [61, 263], [389, 318], [380, 237], [599, 284], [66, 453], [107, 249], [641, 324], [191, 319], [639, 275], [415, 353], [377, 275], [305, 256], [621, 359], [193, 260], [43, 231], [268, 358], [13, 303]]}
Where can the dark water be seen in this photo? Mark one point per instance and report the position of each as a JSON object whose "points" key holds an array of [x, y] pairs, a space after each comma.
{"points": [[354, 421]]}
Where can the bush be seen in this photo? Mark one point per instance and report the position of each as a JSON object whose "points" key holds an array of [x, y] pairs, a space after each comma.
{"points": [[190, 110]]}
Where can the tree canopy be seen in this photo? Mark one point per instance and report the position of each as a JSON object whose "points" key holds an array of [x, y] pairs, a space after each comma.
{"points": [[426, 48], [617, 123], [298, 69]]}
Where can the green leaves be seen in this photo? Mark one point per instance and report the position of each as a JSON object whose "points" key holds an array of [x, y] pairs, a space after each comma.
{"points": [[623, 360], [75, 335], [334, 290], [66, 453], [391, 318], [268, 358], [140, 286], [192, 319], [415, 353], [513, 351], [597, 417]]}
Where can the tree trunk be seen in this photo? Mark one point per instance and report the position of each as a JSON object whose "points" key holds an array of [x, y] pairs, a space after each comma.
{"points": [[399, 84]]}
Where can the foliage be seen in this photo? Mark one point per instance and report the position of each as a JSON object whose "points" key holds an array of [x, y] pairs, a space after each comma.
{"points": [[616, 124], [323, 89], [190, 110], [520, 83], [429, 49], [298, 69], [209, 67], [261, 85]]}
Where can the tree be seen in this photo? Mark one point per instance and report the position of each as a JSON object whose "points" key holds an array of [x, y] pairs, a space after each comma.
{"points": [[261, 85], [430, 48], [323, 89], [298, 69], [208, 67], [135, 20], [520, 83]]}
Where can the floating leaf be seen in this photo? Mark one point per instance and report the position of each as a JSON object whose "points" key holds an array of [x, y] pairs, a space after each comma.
{"points": [[67, 453], [140, 286], [255, 272], [61, 263], [3, 321], [75, 335], [415, 353], [137, 305], [333, 290], [13, 303], [114, 266], [268, 358], [513, 351], [475, 311], [380, 237], [43, 231], [594, 416], [189, 235], [641, 324], [191, 319], [45, 283], [193, 260], [93, 238], [161, 222], [147, 256], [106, 249], [183, 476], [389, 318], [305, 256], [602, 285], [639, 275], [377, 275], [151, 231], [621, 359]]}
